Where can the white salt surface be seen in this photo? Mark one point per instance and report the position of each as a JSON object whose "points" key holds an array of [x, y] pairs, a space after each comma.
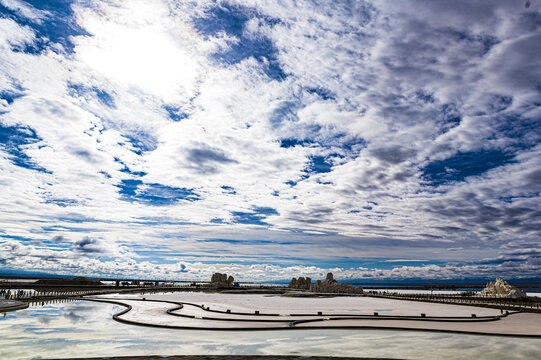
{"points": [[85, 329], [288, 308], [515, 324], [331, 305], [155, 313]]}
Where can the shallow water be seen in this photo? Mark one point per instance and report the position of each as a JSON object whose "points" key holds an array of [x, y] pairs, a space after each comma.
{"points": [[84, 328]]}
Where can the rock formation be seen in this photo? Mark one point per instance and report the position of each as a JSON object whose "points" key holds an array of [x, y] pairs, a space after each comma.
{"points": [[501, 288], [330, 279], [329, 285], [221, 280], [300, 283]]}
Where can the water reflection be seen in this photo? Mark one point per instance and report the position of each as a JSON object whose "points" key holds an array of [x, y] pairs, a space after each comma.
{"points": [[82, 328]]}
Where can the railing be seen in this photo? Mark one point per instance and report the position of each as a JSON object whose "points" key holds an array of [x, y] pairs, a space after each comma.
{"points": [[44, 294], [32, 294], [527, 304]]}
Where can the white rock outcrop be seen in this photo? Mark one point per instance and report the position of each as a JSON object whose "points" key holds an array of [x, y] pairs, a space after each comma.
{"points": [[501, 288]]}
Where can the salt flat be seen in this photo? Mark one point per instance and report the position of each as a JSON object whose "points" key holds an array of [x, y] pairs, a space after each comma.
{"points": [[328, 305], [198, 310], [525, 324]]}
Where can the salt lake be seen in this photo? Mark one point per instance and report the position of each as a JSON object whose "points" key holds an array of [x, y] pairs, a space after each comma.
{"points": [[86, 329]]}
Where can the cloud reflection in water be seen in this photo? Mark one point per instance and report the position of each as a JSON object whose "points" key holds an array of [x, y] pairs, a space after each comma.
{"points": [[87, 329]]}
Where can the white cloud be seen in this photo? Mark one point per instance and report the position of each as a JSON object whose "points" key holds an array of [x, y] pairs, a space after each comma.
{"points": [[139, 53], [378, 91], [26, 10], [14, 35]]}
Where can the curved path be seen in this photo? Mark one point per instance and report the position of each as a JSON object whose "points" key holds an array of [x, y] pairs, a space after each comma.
{"points": [[185, 315]]}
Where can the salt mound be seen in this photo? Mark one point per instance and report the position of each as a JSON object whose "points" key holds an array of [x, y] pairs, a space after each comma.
{"points": [[501, 288]]}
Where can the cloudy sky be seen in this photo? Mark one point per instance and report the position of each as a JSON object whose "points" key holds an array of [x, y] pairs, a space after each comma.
{"points": [[271, 139]]}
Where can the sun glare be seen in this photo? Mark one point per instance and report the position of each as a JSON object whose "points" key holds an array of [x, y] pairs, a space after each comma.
{"points": [[145, 57]]}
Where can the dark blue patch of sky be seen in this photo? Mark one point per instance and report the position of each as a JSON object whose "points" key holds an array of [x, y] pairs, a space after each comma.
{"points": [[254, 217], [14, 140], [463, 165], [10, 96], [523, 133], [229, 190], [57, 28], [82, 91], [291, 142], [323, 93], [318, 165], [134, 190], [175, 113], [231, 19], [127, 170], [141, 142]]}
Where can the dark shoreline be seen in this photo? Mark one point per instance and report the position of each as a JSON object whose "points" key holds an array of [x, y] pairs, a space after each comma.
{"points": [[11, 305], [528, 284], [230, 357]]}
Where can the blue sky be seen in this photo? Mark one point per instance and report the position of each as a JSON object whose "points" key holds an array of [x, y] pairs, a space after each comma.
{"points": [[167, 139]]}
